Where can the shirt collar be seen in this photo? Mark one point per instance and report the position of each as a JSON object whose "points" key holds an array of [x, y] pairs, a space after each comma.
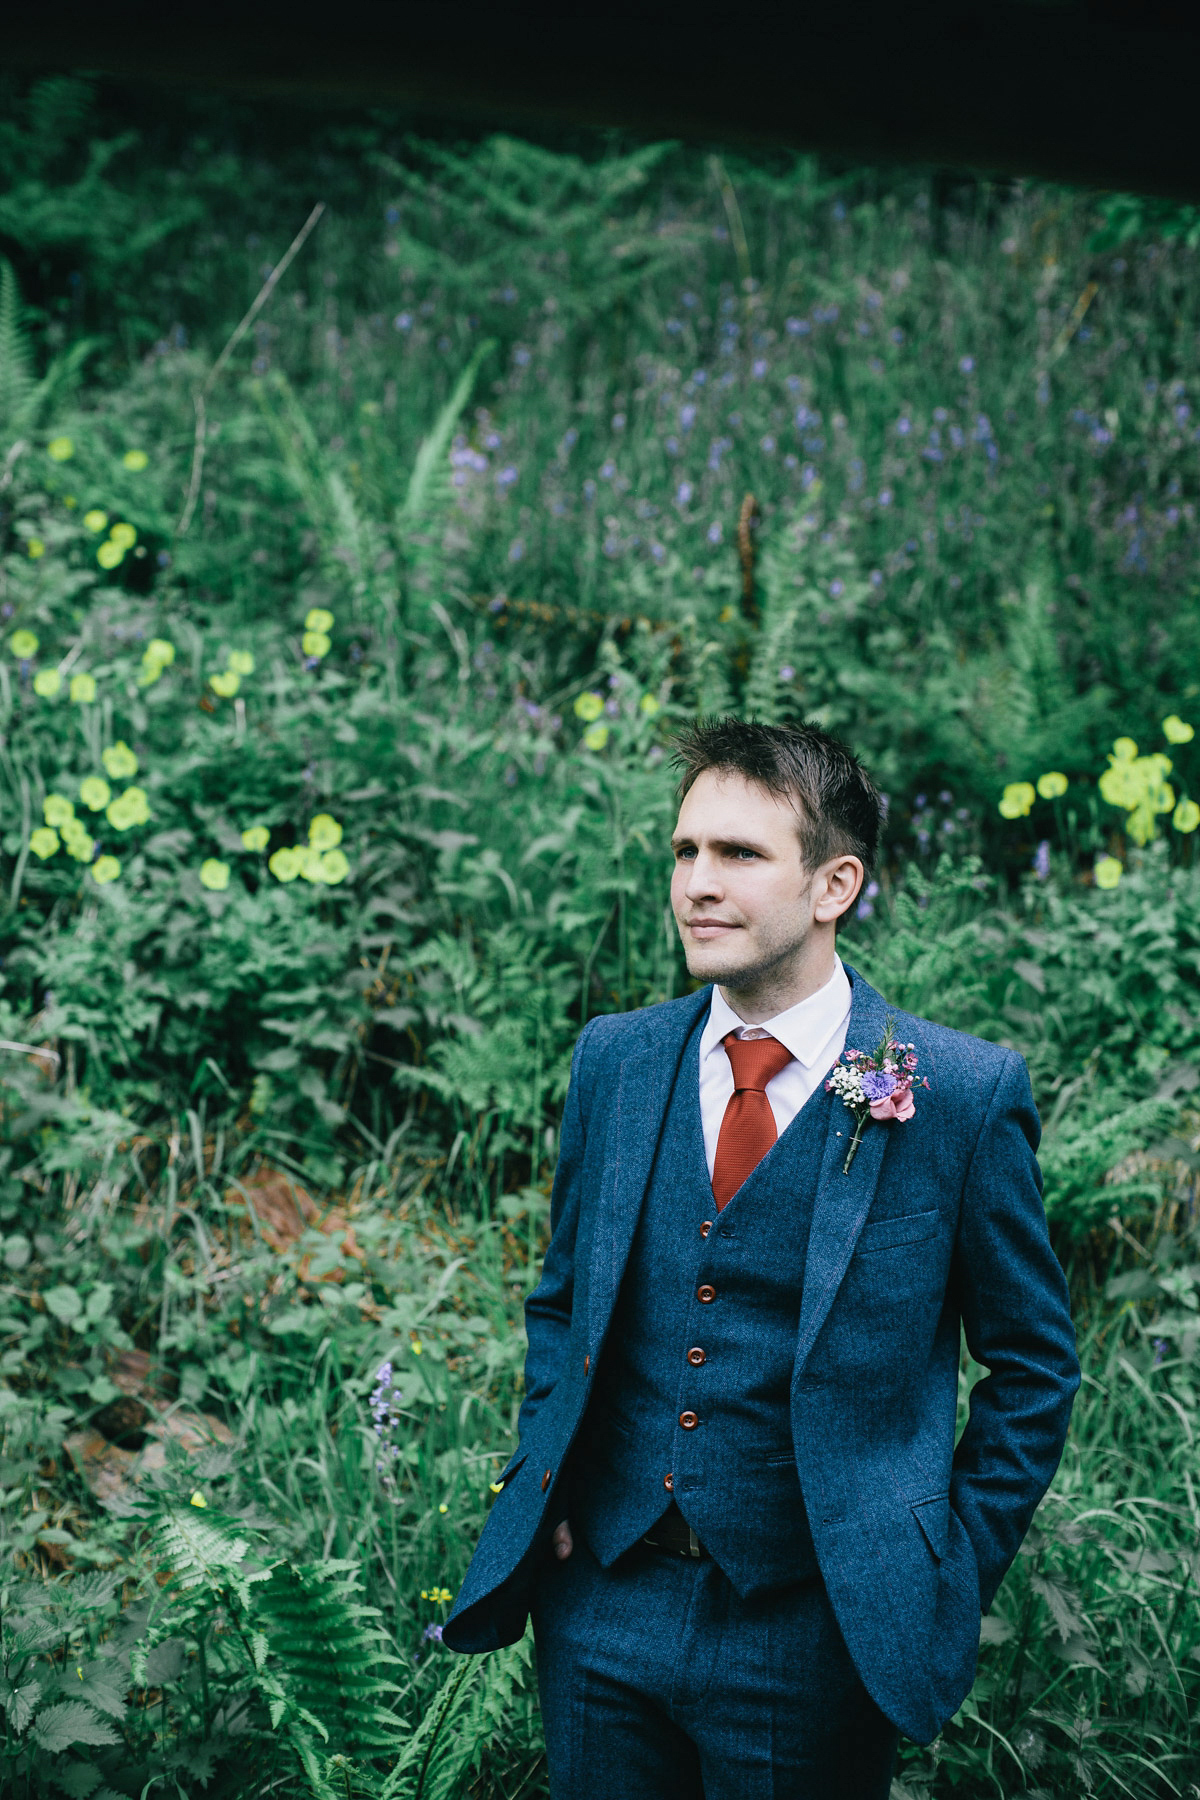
{"points": [[804, 1029]]}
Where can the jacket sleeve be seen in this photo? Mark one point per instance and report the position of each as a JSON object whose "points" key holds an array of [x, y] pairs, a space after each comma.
{"points": [[548, 1308], [1017, 1320]]}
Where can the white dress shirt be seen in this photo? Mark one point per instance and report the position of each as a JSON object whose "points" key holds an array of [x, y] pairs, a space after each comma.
{"points": [[814, 1032]]}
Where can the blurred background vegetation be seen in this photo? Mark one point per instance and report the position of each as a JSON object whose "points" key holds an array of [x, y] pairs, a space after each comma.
{"points": [[349, 599]]}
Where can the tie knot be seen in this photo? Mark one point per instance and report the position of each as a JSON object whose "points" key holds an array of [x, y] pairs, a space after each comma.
{"points": [[755, 1061]]}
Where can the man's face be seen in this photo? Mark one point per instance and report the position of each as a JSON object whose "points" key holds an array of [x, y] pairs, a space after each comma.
{"points": [[742, 898]]}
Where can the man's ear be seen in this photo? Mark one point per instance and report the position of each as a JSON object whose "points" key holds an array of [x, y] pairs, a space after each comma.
{"points": [[838, 884]]}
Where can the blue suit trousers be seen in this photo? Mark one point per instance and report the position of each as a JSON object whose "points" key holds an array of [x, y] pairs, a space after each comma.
{"points": [[657, 1682]]}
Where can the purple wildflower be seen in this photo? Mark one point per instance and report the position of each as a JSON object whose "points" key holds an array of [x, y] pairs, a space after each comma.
{"points": [[878, 1084]]}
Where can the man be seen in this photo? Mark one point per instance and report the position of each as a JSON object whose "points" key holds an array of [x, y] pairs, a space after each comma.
{"points": [[752, 1552]]}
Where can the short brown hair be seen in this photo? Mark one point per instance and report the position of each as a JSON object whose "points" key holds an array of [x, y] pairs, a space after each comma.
{"points": [[838, 807]]}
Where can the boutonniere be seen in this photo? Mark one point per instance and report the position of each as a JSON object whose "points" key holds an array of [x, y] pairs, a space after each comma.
{"points": [[879, 1086]]}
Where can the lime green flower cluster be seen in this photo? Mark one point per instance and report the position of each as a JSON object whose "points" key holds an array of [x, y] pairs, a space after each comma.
{"points": [[590, 707], [63, 830], [1018, 797], [320, 862], [1139, 785], [120, 540], [158, 655], [316, 642], [227, 682]]}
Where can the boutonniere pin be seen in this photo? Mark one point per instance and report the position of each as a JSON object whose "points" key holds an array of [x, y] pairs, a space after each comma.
{"points": [[878, 1086]]}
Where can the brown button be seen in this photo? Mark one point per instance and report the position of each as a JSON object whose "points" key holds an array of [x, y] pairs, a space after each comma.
{"points": [[688, 1420], [669, 1483], [706, 1294], [545, 1481], [587, 1363], [706, 1228], [696, 1357]]}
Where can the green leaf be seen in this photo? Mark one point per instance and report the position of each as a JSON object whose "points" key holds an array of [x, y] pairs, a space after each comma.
{"points": [[71, 1722], [64, 1302]]}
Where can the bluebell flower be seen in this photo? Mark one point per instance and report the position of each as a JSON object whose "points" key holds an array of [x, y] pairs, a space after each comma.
{"points": [[506, 476], [570, 438], [687, 417], [758, 367], [767, 443], [674, 326], [864, 909], [403, 321], [516, 549], [699, 377], [799, 327], [714, 533], [903, 427], [837, 588], [966, 364], [683, 493], [885, 497], [787, 673], [1041, 861], [608, 470], [896, 335], [618, 421], [656, 550], [876, 578]]}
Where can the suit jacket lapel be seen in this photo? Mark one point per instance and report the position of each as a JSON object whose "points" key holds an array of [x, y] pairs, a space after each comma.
{"points": [[643, 1091], [842, 1201]]}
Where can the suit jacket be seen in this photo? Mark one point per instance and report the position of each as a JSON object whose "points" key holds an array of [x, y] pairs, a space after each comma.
{"points": [[938, 1225]]}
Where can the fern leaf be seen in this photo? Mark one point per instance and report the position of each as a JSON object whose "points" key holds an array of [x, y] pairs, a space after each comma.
{"points": [[16, 356], [331, 1652], [432, 452]]}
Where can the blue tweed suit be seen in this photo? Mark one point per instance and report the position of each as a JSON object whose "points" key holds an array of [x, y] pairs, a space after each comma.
{"points": [[938, 1224]]}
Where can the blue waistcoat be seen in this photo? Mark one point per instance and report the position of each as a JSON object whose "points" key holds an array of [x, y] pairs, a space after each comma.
{"points": [[692, 1398]]}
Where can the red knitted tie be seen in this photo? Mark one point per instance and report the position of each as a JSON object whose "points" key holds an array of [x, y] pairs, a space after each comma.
{"points": [[748, 1128]]}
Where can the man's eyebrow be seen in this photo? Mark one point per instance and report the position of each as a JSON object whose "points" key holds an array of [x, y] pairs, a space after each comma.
{"points": [[679, 841]]}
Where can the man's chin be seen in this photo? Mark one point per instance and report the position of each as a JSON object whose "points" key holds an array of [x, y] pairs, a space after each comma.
{"points": [[704, 964]]}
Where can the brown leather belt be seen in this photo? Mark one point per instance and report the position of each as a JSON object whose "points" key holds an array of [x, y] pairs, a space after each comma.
{"points": [[673, 1534]]}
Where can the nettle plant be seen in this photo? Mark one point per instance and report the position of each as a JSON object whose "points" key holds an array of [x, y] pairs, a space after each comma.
{"points": [[1134, 782]]}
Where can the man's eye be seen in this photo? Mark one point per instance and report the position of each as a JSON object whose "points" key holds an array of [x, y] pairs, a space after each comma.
{"points": [[685, 855], [751, 854]]}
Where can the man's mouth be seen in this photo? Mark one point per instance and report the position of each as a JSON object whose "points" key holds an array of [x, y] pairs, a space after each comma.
{"points": [[710, 928]]}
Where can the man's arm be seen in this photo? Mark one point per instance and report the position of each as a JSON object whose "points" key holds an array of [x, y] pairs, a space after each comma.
{"points": [[1017, 1320], [548, 1308]]}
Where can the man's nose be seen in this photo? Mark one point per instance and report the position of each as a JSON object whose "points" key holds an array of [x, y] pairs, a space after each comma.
{"points": [[703, 882]]}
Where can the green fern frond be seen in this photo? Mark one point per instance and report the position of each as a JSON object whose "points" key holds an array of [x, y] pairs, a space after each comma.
{"points": [[431, 457], [331, 1652], [17, 382]]}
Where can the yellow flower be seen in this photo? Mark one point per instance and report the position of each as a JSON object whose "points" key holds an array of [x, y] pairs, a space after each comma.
{"points": [[83, 689], [119, 760], [197, 1498], [128, 809], [417, 1346], [1107, 872], [1124, 749], [137, 460], [109, 554], [317, 618], [241, 662], [334, 868], [70, 502], [214, 874], [497, 1487], [95, 793], [123, 535], [316, 643], [43, 842], [80, 843], [324, 832], [57, 809], [226, 685], [649, 705], [256, 837], [1187, 816], [1016, 800], [1053, 785], [105, 869], [35, 548], [47, 683], [285, 864], [1177, 730], [443, 1508], [23, 645], [596, 736], [589, 706], [60, 449], [159, 650], [95, 520]]}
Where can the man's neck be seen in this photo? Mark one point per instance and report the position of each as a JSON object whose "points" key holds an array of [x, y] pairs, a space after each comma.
{"points": [[779, 989]]}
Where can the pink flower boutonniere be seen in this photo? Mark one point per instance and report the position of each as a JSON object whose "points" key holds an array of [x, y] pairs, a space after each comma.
{"points": [[876, 1087]]}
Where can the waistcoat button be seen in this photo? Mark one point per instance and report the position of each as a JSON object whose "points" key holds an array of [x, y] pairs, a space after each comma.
{"points": [[546, 1480], [688, 1420], [669, 1483], [706, 1228], [705, 1294], [587, 1363], [696, 1357]]}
